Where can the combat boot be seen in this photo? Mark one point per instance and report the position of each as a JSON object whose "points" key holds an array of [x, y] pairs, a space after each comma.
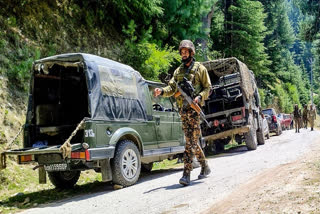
{"points": [[185, 180], [205, 170]]}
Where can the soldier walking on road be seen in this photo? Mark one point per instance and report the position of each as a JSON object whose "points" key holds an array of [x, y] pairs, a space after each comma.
{"points": [[305, 114], [198, 75], [296, 117], [312, 116]]}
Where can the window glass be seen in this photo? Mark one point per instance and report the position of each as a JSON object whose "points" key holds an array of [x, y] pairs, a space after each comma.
{"points": [[160, 103]]}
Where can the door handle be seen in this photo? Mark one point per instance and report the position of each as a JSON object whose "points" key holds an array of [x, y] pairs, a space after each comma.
{"points": [[157, 121]]}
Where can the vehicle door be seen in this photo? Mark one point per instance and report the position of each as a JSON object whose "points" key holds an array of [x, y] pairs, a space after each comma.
{"points": [[167, 121]]}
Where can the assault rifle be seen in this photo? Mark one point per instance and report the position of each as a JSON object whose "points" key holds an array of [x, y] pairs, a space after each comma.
{"points": [[186, 89]]}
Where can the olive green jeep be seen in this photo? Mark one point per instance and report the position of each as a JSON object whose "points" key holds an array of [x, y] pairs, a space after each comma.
{"points": [[88, 112]]}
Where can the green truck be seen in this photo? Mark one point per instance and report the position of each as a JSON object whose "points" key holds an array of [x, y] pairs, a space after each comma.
{"points": [[88, 112]]}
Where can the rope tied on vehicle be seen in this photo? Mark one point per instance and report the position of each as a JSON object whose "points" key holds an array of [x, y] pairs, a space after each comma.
{"points": [[66, 148], [3, 158]]}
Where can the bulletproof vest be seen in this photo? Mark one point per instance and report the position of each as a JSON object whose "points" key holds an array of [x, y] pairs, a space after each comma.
{"points": [[190, 75], [296, 113]]}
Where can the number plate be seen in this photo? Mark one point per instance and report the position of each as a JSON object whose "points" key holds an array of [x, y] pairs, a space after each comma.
{"points": [[56, 167]]}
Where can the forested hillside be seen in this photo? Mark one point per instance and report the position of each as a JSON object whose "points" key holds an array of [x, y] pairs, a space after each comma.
{"points": [[277, 39]]}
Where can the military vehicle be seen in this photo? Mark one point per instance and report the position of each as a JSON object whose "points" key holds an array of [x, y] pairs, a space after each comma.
{"points": [[233, 107], [88, 112]]}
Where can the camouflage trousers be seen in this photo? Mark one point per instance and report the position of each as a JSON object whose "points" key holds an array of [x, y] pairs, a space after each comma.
{"points": [[297, 123], [305, 122], [312, 123], [191, 127]]}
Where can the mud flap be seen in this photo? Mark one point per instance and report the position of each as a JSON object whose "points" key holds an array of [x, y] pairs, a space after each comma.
{"points": [[3, 161], [106, 171], [42, 175]]}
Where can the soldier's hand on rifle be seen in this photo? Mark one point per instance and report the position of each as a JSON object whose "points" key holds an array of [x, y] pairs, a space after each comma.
{"points": [[197, 99], [157, 92]]}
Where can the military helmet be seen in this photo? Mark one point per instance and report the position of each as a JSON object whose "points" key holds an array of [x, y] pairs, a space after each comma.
{"points": [[187, 44]]}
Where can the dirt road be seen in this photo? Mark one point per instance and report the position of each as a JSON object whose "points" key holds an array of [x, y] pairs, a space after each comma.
{"points": [[159, 192]]}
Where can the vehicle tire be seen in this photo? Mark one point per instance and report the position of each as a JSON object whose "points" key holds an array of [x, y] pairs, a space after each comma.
{"points": [[251, 136], [126, 164], [147, 167], [210, 149], [260, 135], [260, 138], [64, 179]]}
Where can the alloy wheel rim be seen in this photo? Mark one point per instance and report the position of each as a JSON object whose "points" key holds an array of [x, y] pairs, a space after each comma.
{"points": [[129, 165]]}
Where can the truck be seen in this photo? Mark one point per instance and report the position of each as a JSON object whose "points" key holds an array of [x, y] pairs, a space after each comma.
{"points": [[88, 112], [233, 107]]}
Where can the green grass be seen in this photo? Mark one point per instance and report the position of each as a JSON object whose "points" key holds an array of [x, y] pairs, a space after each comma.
{"points": [[166, 164]]}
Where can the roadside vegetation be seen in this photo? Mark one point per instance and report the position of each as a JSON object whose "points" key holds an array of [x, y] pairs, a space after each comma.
{"points": [[277, 39]]}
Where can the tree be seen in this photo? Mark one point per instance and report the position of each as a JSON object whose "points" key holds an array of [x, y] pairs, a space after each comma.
{"points": [[242, 33]]}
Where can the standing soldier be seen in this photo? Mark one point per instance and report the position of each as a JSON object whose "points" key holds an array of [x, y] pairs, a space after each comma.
{"points": [[198, 75], [312, 116], [296, 117], [305, 114]]}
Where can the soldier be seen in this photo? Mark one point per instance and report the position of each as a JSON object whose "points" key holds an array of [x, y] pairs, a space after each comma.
{"points": [[296, 117], [199, 77], [312, 116], [305, 114]]}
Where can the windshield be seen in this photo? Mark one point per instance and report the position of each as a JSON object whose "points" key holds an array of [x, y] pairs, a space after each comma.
{"points": [[267, 111]]}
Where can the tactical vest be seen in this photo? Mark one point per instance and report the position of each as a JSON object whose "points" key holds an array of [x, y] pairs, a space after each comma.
{"points": [[191, 77]]}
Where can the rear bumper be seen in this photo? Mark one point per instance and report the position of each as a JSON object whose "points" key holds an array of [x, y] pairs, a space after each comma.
{"points": [[101, 153], [228, 133], [273, 127]]}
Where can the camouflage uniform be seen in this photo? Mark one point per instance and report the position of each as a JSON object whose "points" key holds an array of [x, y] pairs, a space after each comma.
{"points": [[297, 118], [312, 116], [190, 118], [305, 116]]}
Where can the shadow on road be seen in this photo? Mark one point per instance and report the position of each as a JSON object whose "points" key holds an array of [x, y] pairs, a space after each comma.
{"points": [[88, 190], [173, 187]]}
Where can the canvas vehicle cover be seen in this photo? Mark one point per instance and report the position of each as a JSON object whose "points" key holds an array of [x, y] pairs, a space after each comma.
{"points": [[115, 91], [222, 67]]}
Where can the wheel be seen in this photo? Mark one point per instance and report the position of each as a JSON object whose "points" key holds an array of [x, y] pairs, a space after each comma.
{"points": [[147, 167], [251, 136], [260, 135], [260, 138], [126, 164], [65, 179], [210, 149]]}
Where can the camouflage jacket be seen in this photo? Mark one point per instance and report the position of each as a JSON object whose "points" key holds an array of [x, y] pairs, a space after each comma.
{"points": [[305, 113], [312, 114], [198, 76]]}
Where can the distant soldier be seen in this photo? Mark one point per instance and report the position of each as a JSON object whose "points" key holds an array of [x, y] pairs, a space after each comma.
{"points": [[305, 114], [296, 117], [300, 119], [312, 116]]}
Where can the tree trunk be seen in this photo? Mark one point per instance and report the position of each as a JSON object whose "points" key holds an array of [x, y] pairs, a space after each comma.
{"points": [[206, 25], [228, 25]]}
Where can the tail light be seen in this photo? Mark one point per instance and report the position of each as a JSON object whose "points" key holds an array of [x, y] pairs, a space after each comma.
{"points": [[237, 117], [25, 159], [216, 123], [81, 155], [78, 155], [243, 111], [87, 155], [274, 118]]}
